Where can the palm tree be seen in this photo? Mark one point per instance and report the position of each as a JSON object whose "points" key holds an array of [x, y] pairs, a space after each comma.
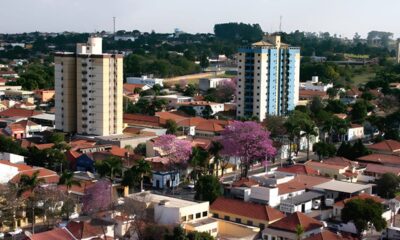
{"points": [[67, 179], [141, 168], [30, 183], [215, 149], [299, 232], [109, 167], [308, 129]]}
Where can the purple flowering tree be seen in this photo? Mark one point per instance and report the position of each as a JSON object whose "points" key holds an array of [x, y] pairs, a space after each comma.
{"points": [[249, 142], [98, 197], [225, 91], [177, 151]]}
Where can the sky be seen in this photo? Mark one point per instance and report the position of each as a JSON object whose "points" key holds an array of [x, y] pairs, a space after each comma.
{"points": [[341, 17]]}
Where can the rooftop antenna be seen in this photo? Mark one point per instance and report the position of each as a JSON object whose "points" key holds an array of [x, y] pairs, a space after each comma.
{"points": [[280, 23], [114, 25]]}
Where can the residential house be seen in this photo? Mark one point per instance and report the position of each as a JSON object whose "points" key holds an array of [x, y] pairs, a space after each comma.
{"points": [[23, 129], [355, 132], [373, 172], [247, 213], [201, 107], [145, 80], [386, 147], [315, 85], [18, 112], [207, 83], [194, 216], [285, 228], [11, 172], [305, 96], [339, 172], [43, 96], [297, 169], [328, 235], [162, 174], [390, 160]]}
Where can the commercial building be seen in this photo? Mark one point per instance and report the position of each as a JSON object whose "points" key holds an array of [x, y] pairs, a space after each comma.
{"points": [[268, 78], [88, 87], [145, 80]]}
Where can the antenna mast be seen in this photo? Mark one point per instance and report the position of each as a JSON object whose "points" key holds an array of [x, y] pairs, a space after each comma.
{"points": [[280, 23]]}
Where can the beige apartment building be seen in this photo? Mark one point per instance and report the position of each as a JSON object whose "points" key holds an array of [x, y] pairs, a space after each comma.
{"points": [[89, 88]]}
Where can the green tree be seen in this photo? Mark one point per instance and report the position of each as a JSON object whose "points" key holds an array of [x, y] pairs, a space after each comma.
{"points": [[199, 162], [67, 179], [324, 150], [207, 112], [171, 126], [363, 212], [140, 149], [190, 90], [208, 188], [188, 110], [299, 232], [204, 63], [56, 138], [110, 167], [141, 168], [359, 112], [387, 185], [215, 150]]}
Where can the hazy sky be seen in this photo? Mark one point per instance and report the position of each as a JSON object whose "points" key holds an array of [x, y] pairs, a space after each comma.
{"points": [[343, 17]]}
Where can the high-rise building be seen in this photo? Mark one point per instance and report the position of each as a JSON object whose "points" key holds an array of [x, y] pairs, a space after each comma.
{"points": [[89, 87], [268, 78]]}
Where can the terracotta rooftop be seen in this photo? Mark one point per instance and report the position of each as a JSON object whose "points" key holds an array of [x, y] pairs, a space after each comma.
{"points": [[311, 93], [246, 209], [290, 223], [140, 119], [339, 161], [386, 145], [362, 196], [55, 234], [47, 175], [129, 87], [380, 169], [84, 230], [245, 182], [301, 182], [381, 159], [315, 165], [328, 235], [18, 112], [298, 169], [353, 125], [199, 103], [44, 146]]}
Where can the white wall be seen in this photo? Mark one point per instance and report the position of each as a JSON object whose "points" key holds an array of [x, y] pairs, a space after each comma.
{"points": [[7, 173], [12, 158]]}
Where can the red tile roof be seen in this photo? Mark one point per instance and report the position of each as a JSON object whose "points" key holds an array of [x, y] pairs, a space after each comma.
{"points": [[55, 234], [362, 196], [245, 182], [381, 159], [380, 169], [305, 94], [246, 209], [128, 87], [290, 223], [316, 165], [339, 161], [82, 230], [328, 235], [139, 119], [44, 146], [47, 175], [300, 182], [18, 112], [386, 145], [298, 169]]}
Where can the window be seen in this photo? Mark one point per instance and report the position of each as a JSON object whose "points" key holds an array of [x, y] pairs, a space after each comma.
{"points": [[250, 223], [227, 218], [183, 219], [205, 214], [215, 215], [190, 217], [198, 215], [238, 220], [262, 225]]}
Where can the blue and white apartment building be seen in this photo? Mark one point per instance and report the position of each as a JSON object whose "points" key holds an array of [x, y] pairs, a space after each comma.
{"points": [[268, 78]]}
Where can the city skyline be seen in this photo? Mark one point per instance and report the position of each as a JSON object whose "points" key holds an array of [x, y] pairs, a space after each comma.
{"points": [[342, 18]]}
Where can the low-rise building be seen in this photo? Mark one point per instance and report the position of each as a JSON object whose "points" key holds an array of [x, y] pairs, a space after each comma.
{"points": [[355, 132], [286, 227], [43, 95], [315, 85], [386, 147], [247, 213], [145, 80], [207, 83], [204, 107]]}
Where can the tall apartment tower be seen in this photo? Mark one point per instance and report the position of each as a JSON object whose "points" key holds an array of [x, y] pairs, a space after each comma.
{"points": [[398, 51], [268, 78], [88, 87]]}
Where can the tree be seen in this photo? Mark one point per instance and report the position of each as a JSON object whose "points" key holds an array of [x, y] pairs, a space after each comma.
{"points": [[189, 110], [204, 63], [97, 197], [308, 129], [56, 138], [199, 162], [215, 150], [363, 212], [10, 146], [29, 184], [225, 91], [171, 126], [248, 141], [208, 188], [316, 105], [336, 106], [359, 112], [190, 90], [299, 232], [110, 167], [324, 149], [140, 149], [275, 125], [141, 168], [332, 92], [207, 112], [344, 149], [387, 185]]}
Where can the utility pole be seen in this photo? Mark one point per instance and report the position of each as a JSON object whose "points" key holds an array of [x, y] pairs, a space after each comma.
{"points": [[114, 25], [280, 23]]}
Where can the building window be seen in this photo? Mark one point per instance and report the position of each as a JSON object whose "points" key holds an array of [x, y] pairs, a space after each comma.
{"points": [[250, 223], [198, 215], [238, 220], [227, 218], [205, 214], [183, 219], [190, 217], [262, 225]]}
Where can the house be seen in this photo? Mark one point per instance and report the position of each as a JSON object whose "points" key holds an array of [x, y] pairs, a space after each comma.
{"points": [[305, 96], [18, 112], [23, 129], [201, 107], [297, 169], [145, 80], [315, 85], [247, 213], [339, 172], [12, 158], [328, 235], [193, 216], [43, 96], [386, 146], [339, 190], [207, 83], [373, 172], [54, 234], [129, 88], [351, 96], [303, 203], [350, 227], [390, 160], [172, 100], [285, 228], [162, 175], [11, 172], [355, 132]]}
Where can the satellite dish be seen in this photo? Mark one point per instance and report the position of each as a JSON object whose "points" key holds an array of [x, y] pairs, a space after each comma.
{"points": [[28, 234]]}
